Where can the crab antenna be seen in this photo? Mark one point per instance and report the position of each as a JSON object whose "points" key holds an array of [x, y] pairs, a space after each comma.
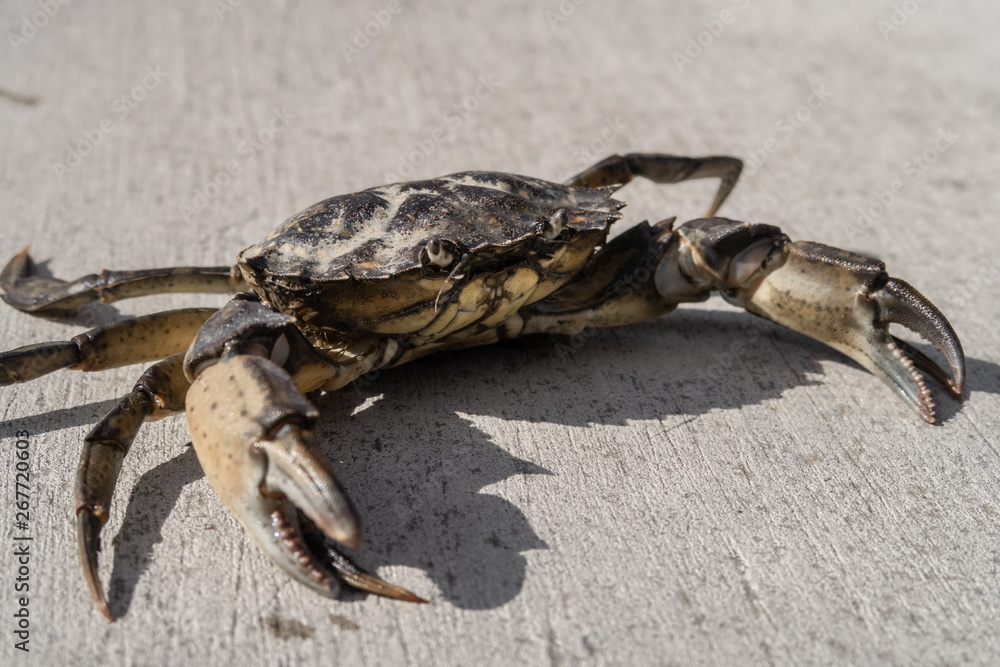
{"points": [[461, 265]]}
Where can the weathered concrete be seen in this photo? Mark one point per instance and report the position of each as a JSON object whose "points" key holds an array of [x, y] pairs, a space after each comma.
{"points": [[701, 489]]}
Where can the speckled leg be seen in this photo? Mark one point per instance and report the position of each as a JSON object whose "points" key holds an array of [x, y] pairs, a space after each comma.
{"points": [[131, 341], [30, 293], [159, 392], [619, 170]]}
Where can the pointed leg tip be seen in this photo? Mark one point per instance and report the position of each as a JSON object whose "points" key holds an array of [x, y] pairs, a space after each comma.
{"points": [[88, 527], [379, 586], [102, 606], [19, 266], [412, 597]]}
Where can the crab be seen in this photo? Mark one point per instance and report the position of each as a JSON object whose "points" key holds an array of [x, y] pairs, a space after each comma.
{"points": [[377, 278]]}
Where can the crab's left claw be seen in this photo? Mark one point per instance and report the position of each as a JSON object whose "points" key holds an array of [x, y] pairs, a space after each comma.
{"points": [[840, 298], [251, 430]]}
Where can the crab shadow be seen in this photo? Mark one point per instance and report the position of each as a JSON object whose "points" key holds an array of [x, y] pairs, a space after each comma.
{"points": [[418, 470], [150, 503]]}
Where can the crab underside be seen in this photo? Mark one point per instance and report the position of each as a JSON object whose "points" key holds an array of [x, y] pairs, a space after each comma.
{"points": [[372, 280]]}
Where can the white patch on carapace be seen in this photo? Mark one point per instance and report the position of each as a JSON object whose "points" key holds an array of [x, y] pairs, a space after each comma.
{"points": [[370, 235]]}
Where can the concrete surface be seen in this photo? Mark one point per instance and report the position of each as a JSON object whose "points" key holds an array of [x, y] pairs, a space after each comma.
{"points": [[700, 489]]}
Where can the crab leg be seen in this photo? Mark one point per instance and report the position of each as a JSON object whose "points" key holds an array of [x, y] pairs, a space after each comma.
{"points": [[30, 293], [131, 341], [618, 170], [618, 287], [158, 393], [840, 298]]}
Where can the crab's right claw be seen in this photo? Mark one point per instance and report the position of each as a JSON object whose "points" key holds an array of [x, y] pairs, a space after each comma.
{"points": [[251, 430], [840, 298]]}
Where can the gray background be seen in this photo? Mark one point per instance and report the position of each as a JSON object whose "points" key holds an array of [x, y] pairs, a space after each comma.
{"points": [[703, 488]]}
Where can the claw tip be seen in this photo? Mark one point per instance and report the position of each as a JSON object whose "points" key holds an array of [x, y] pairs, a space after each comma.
{"points": [[955, 389], [88, 544], [102, 606]]}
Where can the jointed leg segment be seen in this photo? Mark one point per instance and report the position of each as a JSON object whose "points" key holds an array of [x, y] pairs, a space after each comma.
{"points": [[837, 297], [618, 170], [29, 292], [131, 341], [843, 299], [159, 392]]}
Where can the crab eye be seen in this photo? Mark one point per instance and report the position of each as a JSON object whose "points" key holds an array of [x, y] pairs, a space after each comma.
{"points": [[437, 254], [554, 225]]}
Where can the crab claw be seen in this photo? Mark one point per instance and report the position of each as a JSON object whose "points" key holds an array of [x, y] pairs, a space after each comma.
{"points": [[250, 428], [840, 298]]}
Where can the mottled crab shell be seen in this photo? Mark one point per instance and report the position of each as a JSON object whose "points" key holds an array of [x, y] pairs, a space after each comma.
{"points": [[353, 264]]}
